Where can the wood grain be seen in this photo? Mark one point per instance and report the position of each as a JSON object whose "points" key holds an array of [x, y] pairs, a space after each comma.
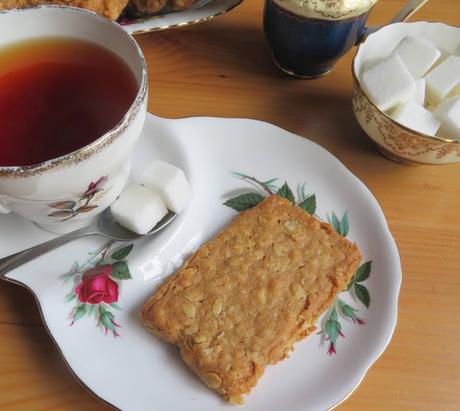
{"points": [[223, 68]]}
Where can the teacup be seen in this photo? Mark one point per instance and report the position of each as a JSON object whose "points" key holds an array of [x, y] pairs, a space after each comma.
{"points": [[307, 37], [63, 193]]}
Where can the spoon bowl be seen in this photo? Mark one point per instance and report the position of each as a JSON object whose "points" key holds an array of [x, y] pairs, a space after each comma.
{"points": [[108, 227]]}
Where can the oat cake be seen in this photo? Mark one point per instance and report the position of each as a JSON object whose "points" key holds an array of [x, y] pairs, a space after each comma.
{"points": [[110, 9], [245, 297]]}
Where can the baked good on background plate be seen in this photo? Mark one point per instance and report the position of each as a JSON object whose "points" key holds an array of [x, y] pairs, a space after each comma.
{"points": [[107, 8], [111, 9]]}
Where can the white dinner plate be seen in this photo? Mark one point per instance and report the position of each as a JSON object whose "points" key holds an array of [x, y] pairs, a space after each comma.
{"points": [[203, 10], [106, 346]]}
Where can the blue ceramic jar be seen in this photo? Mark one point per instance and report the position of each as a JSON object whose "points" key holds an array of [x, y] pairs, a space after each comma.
{"points": [[308, 47]]}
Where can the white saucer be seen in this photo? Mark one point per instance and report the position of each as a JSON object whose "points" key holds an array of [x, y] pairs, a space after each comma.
{"points": [[137, 371]]}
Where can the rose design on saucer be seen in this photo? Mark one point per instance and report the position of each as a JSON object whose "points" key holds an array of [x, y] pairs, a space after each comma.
{"points": [[84, 204], [96, 285]]}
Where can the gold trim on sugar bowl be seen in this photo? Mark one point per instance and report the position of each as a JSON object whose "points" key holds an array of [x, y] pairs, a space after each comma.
{"points": [[393, 139], [399, 142]]}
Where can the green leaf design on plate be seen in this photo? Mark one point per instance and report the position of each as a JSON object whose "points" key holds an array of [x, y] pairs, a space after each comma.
{"points": [[344, 225], [309, 204], [91, 309], [106, 318], [122, 252], [363, 272], [120, 271], [244, 201], [333, 328], [238, 174], [363, 294], [348, 311], [70, 297], [269, 182], [79, 312], [340, 226], [335, 222], [333, 315], [116, 306], [301, 192], [286, 192]]}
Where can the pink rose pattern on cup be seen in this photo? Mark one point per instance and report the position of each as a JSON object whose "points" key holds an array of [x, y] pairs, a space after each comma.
{"points": [[96, 286], [84, 204]]}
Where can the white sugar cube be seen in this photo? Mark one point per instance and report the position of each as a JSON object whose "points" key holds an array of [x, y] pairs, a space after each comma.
{"points": [[170, 182], [417, 54], [445, 54], [443, 81], [369, 64], [416, 117], [420, 91], [138, 209], [418, 97], [389, 83], [449, 114]]}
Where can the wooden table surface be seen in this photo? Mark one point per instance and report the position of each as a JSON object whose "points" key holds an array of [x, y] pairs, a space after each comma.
{"points": [[223, 68]]}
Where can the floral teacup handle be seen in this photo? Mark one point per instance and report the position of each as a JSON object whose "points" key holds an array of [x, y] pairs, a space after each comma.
{"points": [[407, 11]]}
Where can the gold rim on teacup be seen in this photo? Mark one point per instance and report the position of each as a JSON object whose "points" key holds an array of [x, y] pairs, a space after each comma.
{"points": [[107, 138]]}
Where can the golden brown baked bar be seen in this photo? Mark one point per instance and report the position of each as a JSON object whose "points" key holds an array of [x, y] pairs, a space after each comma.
{"points": [[245, 297], [107, 8], [182, 4], [148, 6]]}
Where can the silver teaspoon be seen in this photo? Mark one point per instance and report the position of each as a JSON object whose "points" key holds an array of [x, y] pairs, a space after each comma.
{"points": [[105, 226]]}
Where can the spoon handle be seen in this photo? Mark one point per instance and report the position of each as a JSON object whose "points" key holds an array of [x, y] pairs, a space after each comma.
{"points": [[411, 7], [408, 10], [15, 260]]}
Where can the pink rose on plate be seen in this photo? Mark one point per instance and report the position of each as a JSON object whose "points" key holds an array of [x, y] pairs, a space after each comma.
{"points": [[96, 286]]}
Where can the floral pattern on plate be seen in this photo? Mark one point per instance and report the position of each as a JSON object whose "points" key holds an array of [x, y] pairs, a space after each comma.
{"points": [[96, 285]]}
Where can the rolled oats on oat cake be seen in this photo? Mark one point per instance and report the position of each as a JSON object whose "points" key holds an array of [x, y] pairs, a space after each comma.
{"points": [[245, 297]]}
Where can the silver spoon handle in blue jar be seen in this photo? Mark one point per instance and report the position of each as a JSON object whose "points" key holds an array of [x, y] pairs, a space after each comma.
{"points": [[407, 11]]}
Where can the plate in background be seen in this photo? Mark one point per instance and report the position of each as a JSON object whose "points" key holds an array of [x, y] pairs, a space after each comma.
{"points": [[202, 11]]}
